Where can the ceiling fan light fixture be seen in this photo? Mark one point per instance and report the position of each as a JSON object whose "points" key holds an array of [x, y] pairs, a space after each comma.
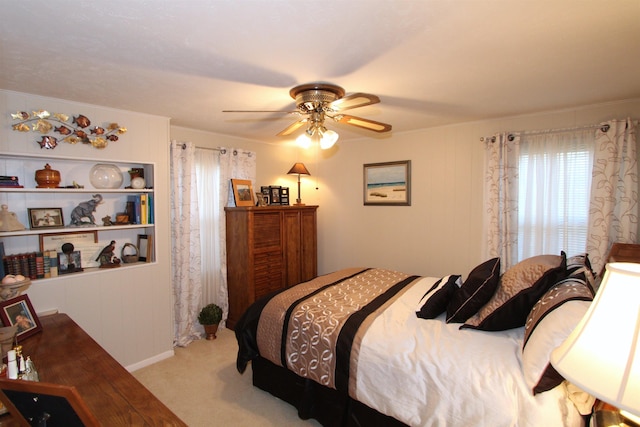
{"points": [[304, 140], [328, 139]]}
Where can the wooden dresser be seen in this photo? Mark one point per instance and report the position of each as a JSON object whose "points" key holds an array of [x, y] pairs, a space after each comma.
{"points": [[268, 248], [65, 354]]}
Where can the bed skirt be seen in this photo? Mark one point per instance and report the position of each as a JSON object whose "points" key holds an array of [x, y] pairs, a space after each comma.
{"points": [[312, 400]]}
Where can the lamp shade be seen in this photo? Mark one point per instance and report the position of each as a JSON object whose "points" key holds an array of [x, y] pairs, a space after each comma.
{"points": [[299, 168], [601, 356]]}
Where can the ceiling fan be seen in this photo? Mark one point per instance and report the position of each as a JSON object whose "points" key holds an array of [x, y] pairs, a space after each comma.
{"points": [[319, 101]]}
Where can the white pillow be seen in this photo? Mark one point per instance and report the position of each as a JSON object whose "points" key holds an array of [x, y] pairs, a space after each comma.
{"points": [[550, 322]]}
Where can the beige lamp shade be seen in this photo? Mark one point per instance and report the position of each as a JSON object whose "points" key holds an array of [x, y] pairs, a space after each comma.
{"points": [[601, 356], [299, 169]]}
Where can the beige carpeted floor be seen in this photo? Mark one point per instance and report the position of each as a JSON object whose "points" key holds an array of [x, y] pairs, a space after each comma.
{"points": [[201, 385]]}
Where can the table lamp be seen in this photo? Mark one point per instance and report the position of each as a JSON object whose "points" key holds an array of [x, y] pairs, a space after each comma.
{"points": [[300, 169], [601, 356]]}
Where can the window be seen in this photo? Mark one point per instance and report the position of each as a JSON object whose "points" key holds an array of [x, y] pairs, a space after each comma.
{"points": [[553, 194]]}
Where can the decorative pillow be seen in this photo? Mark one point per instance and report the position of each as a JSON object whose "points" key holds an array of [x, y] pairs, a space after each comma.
{"points": [[435, 300], [519, 289], [580, 266], [476, 290], [550, 322]]}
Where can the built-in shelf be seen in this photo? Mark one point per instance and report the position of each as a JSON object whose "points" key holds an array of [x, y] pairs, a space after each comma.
{"points": [[73, 170]]}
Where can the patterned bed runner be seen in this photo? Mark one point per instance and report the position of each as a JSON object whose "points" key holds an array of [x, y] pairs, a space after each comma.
{"points": [[313, 328]]}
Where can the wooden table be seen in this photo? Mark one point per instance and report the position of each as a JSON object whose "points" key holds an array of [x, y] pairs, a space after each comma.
{"points": [[65, 354]]}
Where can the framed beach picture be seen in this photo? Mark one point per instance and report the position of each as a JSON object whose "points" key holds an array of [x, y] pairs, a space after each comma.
{"points": [[387, 183]]}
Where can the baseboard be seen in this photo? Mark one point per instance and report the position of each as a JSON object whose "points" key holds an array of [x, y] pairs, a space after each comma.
{"points": [[150, 361]]}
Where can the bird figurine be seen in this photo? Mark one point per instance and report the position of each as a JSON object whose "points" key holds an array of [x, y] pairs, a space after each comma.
{"points": [[106, 257]]}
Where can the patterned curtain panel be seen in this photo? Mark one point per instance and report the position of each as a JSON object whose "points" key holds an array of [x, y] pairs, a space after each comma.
{"points": [[613, 212], [501, 195], [185, 244], [235, 163]]}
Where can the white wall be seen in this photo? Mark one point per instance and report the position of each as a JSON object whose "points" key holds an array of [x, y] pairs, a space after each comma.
{"points": [[441, 232]]}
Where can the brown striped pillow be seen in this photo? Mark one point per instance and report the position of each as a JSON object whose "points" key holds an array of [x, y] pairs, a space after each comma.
{"points": [[519, 289]]}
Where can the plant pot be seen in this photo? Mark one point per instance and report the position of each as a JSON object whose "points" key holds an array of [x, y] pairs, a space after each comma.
{"points": [[211, 330]]}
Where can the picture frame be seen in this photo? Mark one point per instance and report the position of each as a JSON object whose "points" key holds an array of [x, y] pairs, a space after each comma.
{"points": [[54, 241], [261, 200], [29, 400], [145, 248], [387, 184], [242, 192], [274, 193], [45, 218], [69, 262], [19, 311]]}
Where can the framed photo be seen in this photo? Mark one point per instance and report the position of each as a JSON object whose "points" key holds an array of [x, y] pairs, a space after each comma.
{"points": [[275, 195], [387, 183], [242, 192], [69, 262], [45, 218], [54, 241], [145, 248], [19, 311], [261, 200]]}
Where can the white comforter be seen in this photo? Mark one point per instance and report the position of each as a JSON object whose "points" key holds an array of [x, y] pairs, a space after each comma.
{"points": [[459, 377]]}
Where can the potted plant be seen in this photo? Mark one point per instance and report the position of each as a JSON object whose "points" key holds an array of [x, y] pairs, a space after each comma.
{"points": [[209, 317]]}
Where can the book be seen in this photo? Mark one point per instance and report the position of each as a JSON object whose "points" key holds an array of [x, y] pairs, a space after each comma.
{"points": [[53, 258], [39, 257], [143, 209], [2, 268], [151, 209], [47, 264], [135, 199]]}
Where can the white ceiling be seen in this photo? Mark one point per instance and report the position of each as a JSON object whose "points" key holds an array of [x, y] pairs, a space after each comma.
{"points": [[431, 62]]}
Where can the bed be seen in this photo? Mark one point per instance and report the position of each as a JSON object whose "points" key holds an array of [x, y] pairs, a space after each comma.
{"points": [[376, 347]]}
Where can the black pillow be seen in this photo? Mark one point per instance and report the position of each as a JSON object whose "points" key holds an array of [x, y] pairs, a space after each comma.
{"points": [[474, 292], [434, 302]]}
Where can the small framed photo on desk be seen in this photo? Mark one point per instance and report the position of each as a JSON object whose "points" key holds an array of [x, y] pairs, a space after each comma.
{"points": [[19, 311]]}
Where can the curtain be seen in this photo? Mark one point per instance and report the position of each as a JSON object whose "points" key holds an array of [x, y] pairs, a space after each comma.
{"points": [[553, 197], [234, 163], [613, 211], [185, 243], [501, 192]]}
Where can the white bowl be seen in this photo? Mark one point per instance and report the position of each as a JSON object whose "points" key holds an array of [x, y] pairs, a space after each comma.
{"points": [[11, 290]]}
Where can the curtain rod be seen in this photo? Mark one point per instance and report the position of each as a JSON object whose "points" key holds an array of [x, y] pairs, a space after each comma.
{"points": [[221, 150], [603, 128]]}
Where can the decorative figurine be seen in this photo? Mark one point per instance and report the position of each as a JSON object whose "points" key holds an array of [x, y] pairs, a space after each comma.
{"points": [[85, 210], [9, 220], [106, 221], [106, 257]]}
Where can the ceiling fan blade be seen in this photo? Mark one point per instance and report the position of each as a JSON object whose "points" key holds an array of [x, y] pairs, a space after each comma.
{"points": [[354, 100], [363, 123], [293, 127], [261, 111]]}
